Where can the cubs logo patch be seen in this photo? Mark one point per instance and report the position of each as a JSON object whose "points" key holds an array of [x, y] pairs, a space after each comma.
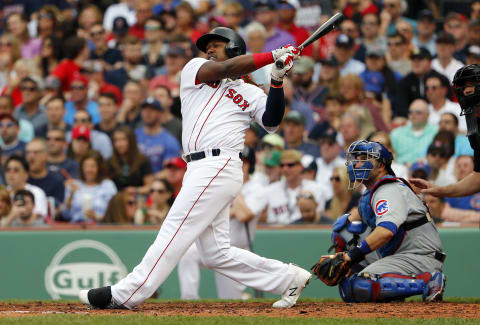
{"points": [[381, 207]]}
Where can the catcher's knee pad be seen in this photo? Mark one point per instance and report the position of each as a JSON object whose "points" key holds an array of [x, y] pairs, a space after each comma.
{"points": [[345, 288], [386, 287]]}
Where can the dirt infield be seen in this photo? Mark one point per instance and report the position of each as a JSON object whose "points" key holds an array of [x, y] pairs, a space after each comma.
{"points": [[303, 309]]}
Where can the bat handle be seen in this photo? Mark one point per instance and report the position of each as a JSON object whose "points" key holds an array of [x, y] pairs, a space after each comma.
{"points": [[280, 63]]}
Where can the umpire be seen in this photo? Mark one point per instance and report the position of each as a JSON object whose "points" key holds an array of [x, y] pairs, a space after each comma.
{"points": [[466, 84]]}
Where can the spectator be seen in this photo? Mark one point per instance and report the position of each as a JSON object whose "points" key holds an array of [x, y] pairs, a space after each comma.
{"points": [[443, 212], [350, 28], [89, 15], [129, 113], [22, 213], [57, 160], [286, 21], [175, 169], [94, 71], [161, 195], [16, 175], [473, 54], [457, 25], [102, 142], [80, 144], [330, 158], [132, 66], [343, 200], [5, 205], [255, 37], [122, 209], [26, 132], [463, 167], [397, 56], [51, 55], [420, 169], [356, 10], [410, 141], [329, 75], [17, 26], [445, 63], [50, 182], [9, 130], [128, 167], [80, 101], [124, 9], [273, 171], [474, 10], [371, 38], [306, 91], [343, 53], [76, 52], [170, 122], [436, 89], [155, 142], [9, 54], [266, 14], [119, 33], [334, 109], [308, 208], [186, 21], [392, 14], [143, 11], [55, 111], [400, 170], [48, 22], [86, 199], [412, 86], [280, 198], [233, 15], [31, 109], [154, 49], [294, 133], [426, 31], [438, 155], [474, 34], [108, 56], [449, 122], [108, 108], [350, 128]]}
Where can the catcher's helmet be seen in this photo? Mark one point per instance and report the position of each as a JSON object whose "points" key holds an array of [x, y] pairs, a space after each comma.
{"points": [[469, 75], [371, 150], [235, 44]]}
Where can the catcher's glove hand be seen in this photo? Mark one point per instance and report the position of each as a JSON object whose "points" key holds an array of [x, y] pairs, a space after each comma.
{"points": [[331, 269]]}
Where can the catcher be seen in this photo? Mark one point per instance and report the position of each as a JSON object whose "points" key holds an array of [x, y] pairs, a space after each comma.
{"points": [[392, 234]]}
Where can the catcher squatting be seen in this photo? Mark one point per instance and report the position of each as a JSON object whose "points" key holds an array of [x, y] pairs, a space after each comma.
{"points": [[389, 249]]}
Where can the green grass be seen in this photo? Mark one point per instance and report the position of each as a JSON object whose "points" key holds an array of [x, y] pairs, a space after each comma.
{"points": [[176, 320]]}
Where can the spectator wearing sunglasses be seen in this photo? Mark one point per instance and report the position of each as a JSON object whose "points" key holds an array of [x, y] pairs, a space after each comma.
{"points": [[101, 51], [80, 101], [9, 130], [343, 200], [161, 195], [31, 109]]}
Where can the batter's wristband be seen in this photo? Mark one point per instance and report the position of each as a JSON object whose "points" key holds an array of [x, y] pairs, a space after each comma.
{"points": [[276, 84], [356, 255], [262, 59]]}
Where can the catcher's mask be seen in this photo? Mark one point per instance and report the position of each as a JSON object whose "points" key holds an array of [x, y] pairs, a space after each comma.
{"points": [[466, 85], [359, 161]]}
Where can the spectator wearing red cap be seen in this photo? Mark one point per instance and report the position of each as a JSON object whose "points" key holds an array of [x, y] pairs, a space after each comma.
{"points": [[175, 169], [102, 142], [128, 167], [457, 25], [79, 100], [80, 143], [9, 130]]}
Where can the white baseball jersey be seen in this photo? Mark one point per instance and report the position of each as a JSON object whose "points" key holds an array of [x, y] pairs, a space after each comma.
{"points": [[282, 201], [217, 115]]}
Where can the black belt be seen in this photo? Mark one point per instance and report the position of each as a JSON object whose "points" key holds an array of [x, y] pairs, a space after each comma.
{"points": [[201, 154], [440, 256], [414, 224]]}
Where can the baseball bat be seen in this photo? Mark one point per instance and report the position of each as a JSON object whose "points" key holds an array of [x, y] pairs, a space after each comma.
{"points": [[321, 31]]}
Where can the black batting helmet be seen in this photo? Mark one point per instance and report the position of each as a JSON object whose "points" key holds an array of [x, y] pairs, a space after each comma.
{"points": [[469, 75], [235, 44]]}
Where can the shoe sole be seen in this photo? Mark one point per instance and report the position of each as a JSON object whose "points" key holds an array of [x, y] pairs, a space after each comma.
{"points": [[438, 296]]}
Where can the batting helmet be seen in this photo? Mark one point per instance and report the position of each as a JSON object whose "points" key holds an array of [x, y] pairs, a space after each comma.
{"points": [[469, 75], [371, 150], [235, 44]]}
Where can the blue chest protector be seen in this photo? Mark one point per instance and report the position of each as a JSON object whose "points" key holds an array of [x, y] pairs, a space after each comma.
{"points": [[368, 215]]}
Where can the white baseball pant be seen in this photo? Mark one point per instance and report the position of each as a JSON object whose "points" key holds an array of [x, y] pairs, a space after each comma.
{"points": [[201, 212]]}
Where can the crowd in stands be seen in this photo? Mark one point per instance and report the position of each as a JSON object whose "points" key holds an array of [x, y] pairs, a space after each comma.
{"points": [[90, 115]]}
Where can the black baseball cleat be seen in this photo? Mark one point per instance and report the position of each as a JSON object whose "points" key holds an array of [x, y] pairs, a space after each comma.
{"points": [[100, 298]]}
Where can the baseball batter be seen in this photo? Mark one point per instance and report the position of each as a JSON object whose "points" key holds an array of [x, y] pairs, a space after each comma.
{"points": [[411, 257], [217, 108]]}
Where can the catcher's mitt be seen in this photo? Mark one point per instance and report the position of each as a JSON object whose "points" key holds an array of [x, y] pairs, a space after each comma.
{"points": [[331, 268]]}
